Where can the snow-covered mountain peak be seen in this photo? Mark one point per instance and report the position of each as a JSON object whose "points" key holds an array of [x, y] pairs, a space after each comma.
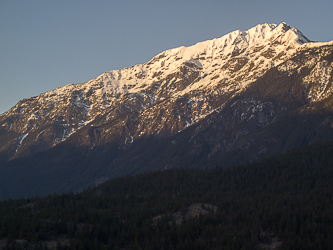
{"points": [[281, 35], [200, 56], [200, 74]]}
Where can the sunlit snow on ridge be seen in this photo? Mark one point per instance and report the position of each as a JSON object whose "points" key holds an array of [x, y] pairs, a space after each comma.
{"points": [[222, 65]]}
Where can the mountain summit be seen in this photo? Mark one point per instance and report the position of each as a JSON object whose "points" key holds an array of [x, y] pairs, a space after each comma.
{"points": [[243, 94]]}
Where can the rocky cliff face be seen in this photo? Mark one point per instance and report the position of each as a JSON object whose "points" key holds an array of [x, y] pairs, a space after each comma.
{"points": [[249, 93]]}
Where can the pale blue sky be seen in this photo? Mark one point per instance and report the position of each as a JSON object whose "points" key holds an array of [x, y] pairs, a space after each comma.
{"points": [[47, 44]]}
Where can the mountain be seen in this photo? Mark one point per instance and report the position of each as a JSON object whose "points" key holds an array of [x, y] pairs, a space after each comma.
{"points": [[230, 100]]}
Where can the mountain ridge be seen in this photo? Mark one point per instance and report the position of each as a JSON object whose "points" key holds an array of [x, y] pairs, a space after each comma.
{"points": [[226, 101], [108, 87]]}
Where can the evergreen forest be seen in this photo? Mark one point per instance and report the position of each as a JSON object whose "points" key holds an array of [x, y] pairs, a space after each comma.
{"points": [[281, 202]]}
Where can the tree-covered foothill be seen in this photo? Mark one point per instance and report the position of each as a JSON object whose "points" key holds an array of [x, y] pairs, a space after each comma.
{"points": [[284, 201]]}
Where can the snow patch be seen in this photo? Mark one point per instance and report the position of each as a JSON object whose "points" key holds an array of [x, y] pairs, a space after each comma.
{"points": [[20, 140], [320, 74]]}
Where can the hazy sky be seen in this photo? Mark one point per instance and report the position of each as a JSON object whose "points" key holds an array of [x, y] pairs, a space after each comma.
{"points": [[47, 44]]}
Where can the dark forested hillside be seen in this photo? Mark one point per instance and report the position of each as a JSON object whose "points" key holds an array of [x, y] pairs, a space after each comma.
{"points": [[283, 201]]}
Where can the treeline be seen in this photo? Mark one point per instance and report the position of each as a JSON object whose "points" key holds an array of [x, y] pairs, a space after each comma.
{"points": [[285, 200]]}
